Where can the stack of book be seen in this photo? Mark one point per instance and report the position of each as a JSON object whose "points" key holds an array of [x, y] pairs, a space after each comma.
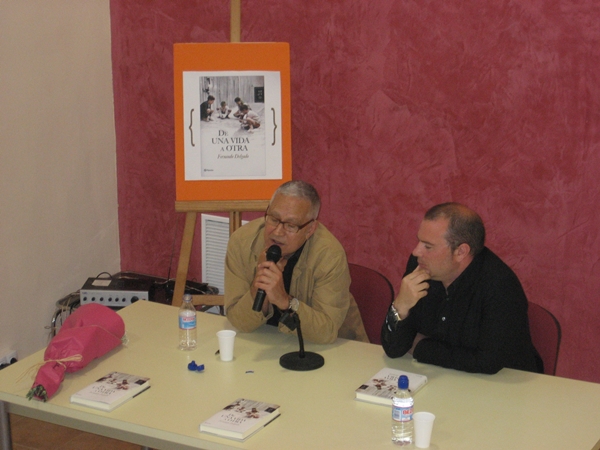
{"points": [[240, 419], [381, 387], [111, 391]]}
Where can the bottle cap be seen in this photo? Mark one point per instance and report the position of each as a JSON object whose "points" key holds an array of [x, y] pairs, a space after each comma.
{"points": [[403, 382], [195, 367], [187, 298]]}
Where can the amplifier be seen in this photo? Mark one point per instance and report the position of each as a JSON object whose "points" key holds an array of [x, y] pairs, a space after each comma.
{"points": [[115, 292]]}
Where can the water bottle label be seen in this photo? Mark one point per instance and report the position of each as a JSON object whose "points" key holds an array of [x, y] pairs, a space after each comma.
{"points": [[400, 414], [187, 322]]}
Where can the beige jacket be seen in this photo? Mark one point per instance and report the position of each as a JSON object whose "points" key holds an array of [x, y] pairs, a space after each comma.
{"points": [[320, 280]]}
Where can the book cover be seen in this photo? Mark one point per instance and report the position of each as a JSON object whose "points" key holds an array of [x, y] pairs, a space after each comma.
{"points": [[232, 120], [380, 388], [111, 391], [240, 419], [232, 141]]}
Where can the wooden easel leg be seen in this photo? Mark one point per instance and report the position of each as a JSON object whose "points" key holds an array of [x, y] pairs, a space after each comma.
{"points": [[184, 257], [235, 221], [235, 21]]}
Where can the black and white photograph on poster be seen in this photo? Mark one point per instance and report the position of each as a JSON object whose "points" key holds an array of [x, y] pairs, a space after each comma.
{"points": [[232, 125]]}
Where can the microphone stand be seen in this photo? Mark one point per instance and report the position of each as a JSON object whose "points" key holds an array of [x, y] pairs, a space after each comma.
{"points": [[300, 360]]}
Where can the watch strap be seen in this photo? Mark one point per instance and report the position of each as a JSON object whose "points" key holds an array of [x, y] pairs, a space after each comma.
{"points": [[392, 318]]}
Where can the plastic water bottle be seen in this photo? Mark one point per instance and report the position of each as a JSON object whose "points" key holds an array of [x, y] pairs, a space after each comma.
{"points": [[187, 324], [402, 414]]}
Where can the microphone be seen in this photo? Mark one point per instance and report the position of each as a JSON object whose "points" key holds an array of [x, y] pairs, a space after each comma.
{"points": [[273, 254]]}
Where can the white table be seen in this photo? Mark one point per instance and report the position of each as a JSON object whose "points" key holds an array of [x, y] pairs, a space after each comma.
{"points": [[511, 409]]}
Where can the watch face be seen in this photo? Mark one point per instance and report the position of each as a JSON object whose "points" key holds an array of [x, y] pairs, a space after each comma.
{"points": [[294, 304]]}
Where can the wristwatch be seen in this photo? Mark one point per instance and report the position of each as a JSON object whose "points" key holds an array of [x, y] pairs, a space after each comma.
{"points": [[393, 317], [294, 304]]}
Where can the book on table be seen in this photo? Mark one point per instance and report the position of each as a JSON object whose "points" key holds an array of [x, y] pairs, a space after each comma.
{"points": [[381, 387], [240, 419], [111, 391]]}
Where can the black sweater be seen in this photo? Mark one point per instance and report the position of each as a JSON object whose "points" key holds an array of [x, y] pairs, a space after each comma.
{"points": [[479, 325]]}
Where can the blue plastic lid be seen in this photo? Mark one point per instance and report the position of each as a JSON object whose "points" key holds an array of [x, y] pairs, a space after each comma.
{"points": [[403, 382]]}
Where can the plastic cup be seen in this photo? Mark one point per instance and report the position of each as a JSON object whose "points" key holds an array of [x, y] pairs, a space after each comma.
{"points": [[423, 424], [226, 340]]}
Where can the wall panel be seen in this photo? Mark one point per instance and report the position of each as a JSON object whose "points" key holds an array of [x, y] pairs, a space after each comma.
{"points": [[396, 106]]}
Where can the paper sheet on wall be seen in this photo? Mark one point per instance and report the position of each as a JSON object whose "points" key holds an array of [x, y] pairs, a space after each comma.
{"points": [[220, 142]]}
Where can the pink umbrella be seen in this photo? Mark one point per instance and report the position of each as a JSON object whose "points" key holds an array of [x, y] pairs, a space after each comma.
{"points": [[90, 332]]}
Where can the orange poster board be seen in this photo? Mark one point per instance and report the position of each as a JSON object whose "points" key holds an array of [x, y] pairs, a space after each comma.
{"points": [[236, 151]]}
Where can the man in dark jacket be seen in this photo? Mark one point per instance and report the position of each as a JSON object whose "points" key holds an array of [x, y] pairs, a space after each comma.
{"points": [[459, 306]]}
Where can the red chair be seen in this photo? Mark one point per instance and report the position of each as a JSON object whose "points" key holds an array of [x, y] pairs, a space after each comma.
{"points": [[373, 294], [545, 334]]}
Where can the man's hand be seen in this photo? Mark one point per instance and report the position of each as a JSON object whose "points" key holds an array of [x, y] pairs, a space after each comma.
{"points": [[412, 289], [269, 277]]}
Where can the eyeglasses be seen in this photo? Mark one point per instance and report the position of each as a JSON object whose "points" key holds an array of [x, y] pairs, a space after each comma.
{"points": [[287, 226]]}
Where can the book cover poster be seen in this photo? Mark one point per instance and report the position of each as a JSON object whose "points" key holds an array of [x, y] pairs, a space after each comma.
{"points": [[232, 120], [233, 127]]}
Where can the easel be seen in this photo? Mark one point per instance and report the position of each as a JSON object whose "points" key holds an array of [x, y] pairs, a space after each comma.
{"points": [[192, 209], [235, 209], [237, 195]]}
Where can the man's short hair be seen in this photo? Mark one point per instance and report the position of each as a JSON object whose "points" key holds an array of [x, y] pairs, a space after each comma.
{"points": [[464, 225], [301, 189], [210, 97]]}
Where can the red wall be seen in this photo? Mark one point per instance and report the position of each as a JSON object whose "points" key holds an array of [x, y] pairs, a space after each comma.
{"points": [[396, 106]]}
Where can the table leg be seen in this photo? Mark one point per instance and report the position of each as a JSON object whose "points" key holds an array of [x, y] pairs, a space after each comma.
{"points": [[5, 437]]}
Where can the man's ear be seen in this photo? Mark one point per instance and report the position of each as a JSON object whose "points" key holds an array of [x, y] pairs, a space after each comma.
{"points": [[462, 251], [312, 228]]}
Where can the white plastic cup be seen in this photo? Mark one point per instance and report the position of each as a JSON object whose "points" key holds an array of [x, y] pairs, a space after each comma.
{"points": [[226, 340], [423, 424]]}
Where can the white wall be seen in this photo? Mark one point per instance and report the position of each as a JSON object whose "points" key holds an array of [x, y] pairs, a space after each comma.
{"points": [[58, 189]]}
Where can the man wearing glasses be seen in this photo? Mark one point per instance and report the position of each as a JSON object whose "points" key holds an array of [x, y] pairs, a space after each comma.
{"points": [[311, 278]]}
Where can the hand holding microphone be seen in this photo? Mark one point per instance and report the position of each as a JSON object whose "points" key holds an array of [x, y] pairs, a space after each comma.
{"points": [[274, 255]]}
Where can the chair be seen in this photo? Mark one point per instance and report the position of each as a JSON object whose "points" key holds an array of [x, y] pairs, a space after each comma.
{"points": [[208, 301], [545, 334], [373, 294]]}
